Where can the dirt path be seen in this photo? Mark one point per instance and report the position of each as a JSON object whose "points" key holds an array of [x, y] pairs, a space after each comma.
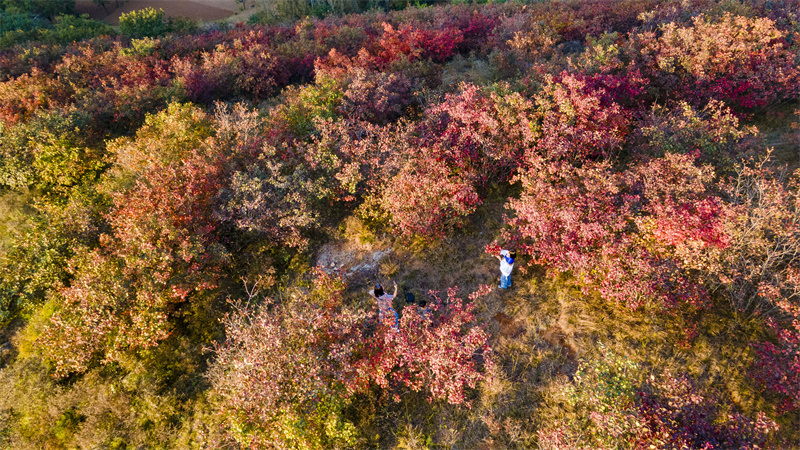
{"points": [[204, 10]]}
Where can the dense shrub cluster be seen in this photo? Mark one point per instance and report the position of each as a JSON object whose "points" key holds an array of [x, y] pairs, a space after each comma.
{"points": [[663, 412], [635, 236], [287, 371]]}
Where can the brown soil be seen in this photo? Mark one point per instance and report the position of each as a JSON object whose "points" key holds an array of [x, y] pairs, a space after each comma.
{"points": [[508, 326], [203, 10], [556, 337]]}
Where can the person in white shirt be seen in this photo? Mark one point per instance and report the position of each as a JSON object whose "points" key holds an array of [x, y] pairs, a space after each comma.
{"points": [[506, 258]]}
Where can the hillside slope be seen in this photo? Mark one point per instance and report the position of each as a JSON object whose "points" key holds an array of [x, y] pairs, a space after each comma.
{"points": [[195, 223]]}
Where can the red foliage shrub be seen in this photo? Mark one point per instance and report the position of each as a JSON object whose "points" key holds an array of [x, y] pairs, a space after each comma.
{"points": [[616, 410], [22, 96], [632, 236], [414, 43], [376, 97], [476, 28], [166, 219], [247, 67], [778, 366], [745, 62], [113, 86], [431, 351], [286, 370], [161, 251], [482, 135], [441, 43], [278, 374], [679, 196], [191, 46], [405, 41], [338, 65], [629, 90], [577, 122], [426, 199]]}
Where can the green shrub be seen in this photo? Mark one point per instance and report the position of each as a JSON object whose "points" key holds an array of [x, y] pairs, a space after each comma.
{"points": [[16, 28], [68, 29], [147, 22], [48, 154], [19, 21], [150, 22], [46, 8]]}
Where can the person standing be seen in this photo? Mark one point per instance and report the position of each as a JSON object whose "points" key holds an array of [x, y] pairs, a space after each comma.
{"points": [[506, 258], [385, 303], [424, 310]]}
